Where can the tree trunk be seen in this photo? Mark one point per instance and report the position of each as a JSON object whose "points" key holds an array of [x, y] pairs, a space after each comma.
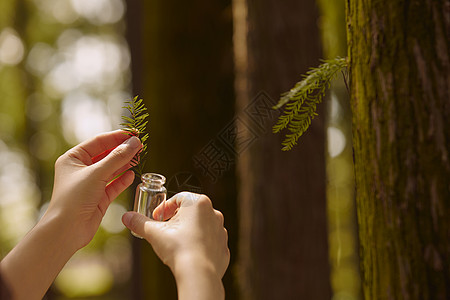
{"points": [[183, 69], [283, 239], [400, 79], [341, 204]]}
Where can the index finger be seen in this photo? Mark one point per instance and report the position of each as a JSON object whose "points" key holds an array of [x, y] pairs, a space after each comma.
{"points": [[103, 142], [171, 206]]}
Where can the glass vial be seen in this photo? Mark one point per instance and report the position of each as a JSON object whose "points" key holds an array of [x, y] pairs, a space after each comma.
{"points": [[150, 194]]}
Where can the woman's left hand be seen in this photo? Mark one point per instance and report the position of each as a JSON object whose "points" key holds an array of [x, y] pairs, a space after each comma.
{"points": [[86, 184]]}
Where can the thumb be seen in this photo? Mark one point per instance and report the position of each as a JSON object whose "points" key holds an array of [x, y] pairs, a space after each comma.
{"points": [[120, 156], [139, 224]]}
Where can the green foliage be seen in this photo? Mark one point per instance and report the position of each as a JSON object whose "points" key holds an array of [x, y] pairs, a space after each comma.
{"points": [[301, 101], [135, 125]]}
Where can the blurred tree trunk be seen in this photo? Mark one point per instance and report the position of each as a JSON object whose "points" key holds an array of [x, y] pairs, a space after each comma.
{"points": [[283, 239], [400, 79], [341, 206], [182, 66]]}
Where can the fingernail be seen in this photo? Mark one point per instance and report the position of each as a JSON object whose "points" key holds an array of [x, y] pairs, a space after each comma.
{"points": [[133, 141]]}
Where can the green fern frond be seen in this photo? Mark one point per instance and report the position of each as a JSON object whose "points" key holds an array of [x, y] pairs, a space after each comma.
{"points": [[135, 125], [302, 100]]}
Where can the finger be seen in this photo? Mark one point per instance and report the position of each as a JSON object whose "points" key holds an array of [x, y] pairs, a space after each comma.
{"points": [[165, 210], [141, 225], [118, 158], [104, 142], [101, 155], [135, 222], [118, 185], [171, 206], [120, 171], [97, 146]]}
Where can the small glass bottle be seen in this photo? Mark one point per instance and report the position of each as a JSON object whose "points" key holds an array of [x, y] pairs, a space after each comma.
{"points": [[150, 194]]}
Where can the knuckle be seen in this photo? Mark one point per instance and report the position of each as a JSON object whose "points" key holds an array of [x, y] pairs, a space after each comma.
{"points": [[61, 160], [120, 153], [185, 199], [204, 201], [219, 215], [226, 235], [186, 196]]}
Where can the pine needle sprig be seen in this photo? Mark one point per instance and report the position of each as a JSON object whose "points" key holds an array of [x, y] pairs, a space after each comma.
{"points": [[302, 100], [135, 125]]}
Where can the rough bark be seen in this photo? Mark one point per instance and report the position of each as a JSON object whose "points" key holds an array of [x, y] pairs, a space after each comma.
{"points": [[400, 80], [283, 239]]}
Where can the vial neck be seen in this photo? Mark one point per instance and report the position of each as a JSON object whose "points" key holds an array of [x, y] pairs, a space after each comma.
{"points": [[153, 185], [153, 180]]}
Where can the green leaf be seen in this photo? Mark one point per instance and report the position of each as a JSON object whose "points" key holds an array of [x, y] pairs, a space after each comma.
{"points": [[302, 100], [135, 124]]}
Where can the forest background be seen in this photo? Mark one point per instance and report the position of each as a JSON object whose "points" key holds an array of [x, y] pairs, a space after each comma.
{"points": [[209, 72]]}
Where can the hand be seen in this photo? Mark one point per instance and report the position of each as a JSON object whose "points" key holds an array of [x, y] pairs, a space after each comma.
{"points": [[85, 182], [84, 187], [193, 243]]}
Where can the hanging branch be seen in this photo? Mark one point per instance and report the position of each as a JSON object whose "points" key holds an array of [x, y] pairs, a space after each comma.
{"points": [[135, 125], [302, 100]]}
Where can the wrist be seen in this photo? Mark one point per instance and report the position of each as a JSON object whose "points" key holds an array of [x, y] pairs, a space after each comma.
{"points": [[61, 230], [34, 263], [197, 277]]}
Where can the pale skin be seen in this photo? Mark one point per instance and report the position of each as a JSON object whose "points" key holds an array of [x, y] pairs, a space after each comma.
{"points": [[85, 185], [193, 243]]}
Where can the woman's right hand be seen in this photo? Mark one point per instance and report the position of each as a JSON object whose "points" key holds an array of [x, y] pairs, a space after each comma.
{"points": [[193, 243]]}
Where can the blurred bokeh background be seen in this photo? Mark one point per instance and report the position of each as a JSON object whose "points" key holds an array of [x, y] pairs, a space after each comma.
{"points": [[66, 68]]}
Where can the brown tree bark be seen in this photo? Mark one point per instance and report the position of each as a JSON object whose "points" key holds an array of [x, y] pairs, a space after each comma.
{"points": [[283, 238], [400, 80], [183, 69]]}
